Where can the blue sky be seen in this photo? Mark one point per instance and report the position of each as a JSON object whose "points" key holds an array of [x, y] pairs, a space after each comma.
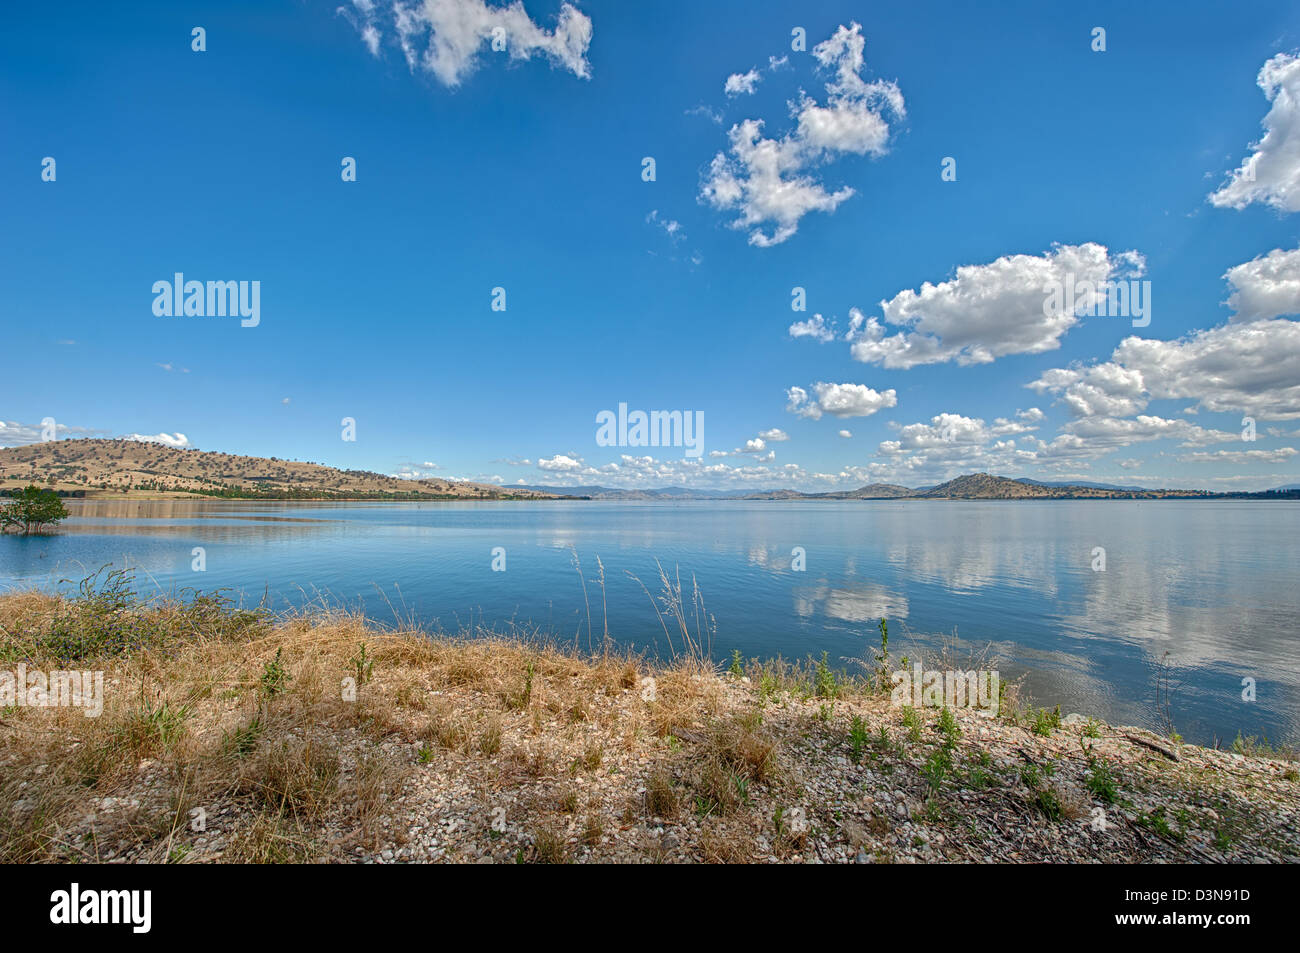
{"points": [[522, 169]]}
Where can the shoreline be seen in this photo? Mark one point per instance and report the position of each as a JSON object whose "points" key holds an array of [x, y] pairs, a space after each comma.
{"points": [[495, 750], [108, 496]]}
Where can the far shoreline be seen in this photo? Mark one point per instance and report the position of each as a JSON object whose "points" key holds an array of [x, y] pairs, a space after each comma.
{"points": [[103, 496]]}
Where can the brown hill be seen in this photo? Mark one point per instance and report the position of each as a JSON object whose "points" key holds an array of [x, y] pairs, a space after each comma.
{"points": [[985, 486], [875, 491], [116, 467]]}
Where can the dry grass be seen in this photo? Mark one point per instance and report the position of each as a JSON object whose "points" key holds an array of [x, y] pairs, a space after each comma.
{"points": [[247, 718], [125, 469], [230, 736]]}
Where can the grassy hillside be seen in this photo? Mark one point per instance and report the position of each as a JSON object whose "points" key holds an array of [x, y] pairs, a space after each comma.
{"points": [[984, 486], [126, 467]]}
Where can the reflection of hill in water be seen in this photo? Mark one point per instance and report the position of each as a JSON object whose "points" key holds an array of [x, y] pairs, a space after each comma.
{"points": [[277, 510], [179, 517]]}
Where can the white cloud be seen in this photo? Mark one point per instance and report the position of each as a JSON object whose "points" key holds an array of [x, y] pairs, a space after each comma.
{"points": [[1237, 368], [742, 84], [768, 182], [15, 434], [839, 400], [986, 311], [942, 432], [951, 443], [1108, 433], [169, 439], [1266, 287], [815, 328], [447, 37], [409, 472], [560, 463], [846, 434], [1280, 455], [671, 227], [948, 445], [1105, 390], [775, 435], [1271, 173], [708, 112]]}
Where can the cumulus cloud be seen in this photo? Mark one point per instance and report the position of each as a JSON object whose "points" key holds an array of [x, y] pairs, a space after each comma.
{"points": [[770, 183], [838, 400], [846, 434], [560, 463], [1266, 287], [1108, 433], [988, 311], [1246, 368], [742, 84], [1270, 175], [446, 38], [815, 328], [170, 439], [942, 432], [775, 435], [952, 443]]}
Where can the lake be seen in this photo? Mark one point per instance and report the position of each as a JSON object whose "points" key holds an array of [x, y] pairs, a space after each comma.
{"points": [[1212, 583]]}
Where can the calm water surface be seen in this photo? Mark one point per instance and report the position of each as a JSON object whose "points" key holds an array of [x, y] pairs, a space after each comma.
{"points": [[1211, 583]]}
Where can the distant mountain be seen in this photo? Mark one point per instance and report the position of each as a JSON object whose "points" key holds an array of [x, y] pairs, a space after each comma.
{"points": [[985, 486], [617, 493], [876, 491], [873, 491], [972, 486], [1094, 486], [1289, 488]]}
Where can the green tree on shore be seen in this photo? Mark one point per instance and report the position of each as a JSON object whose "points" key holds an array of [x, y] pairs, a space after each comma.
{"points": [[31, 510]]}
